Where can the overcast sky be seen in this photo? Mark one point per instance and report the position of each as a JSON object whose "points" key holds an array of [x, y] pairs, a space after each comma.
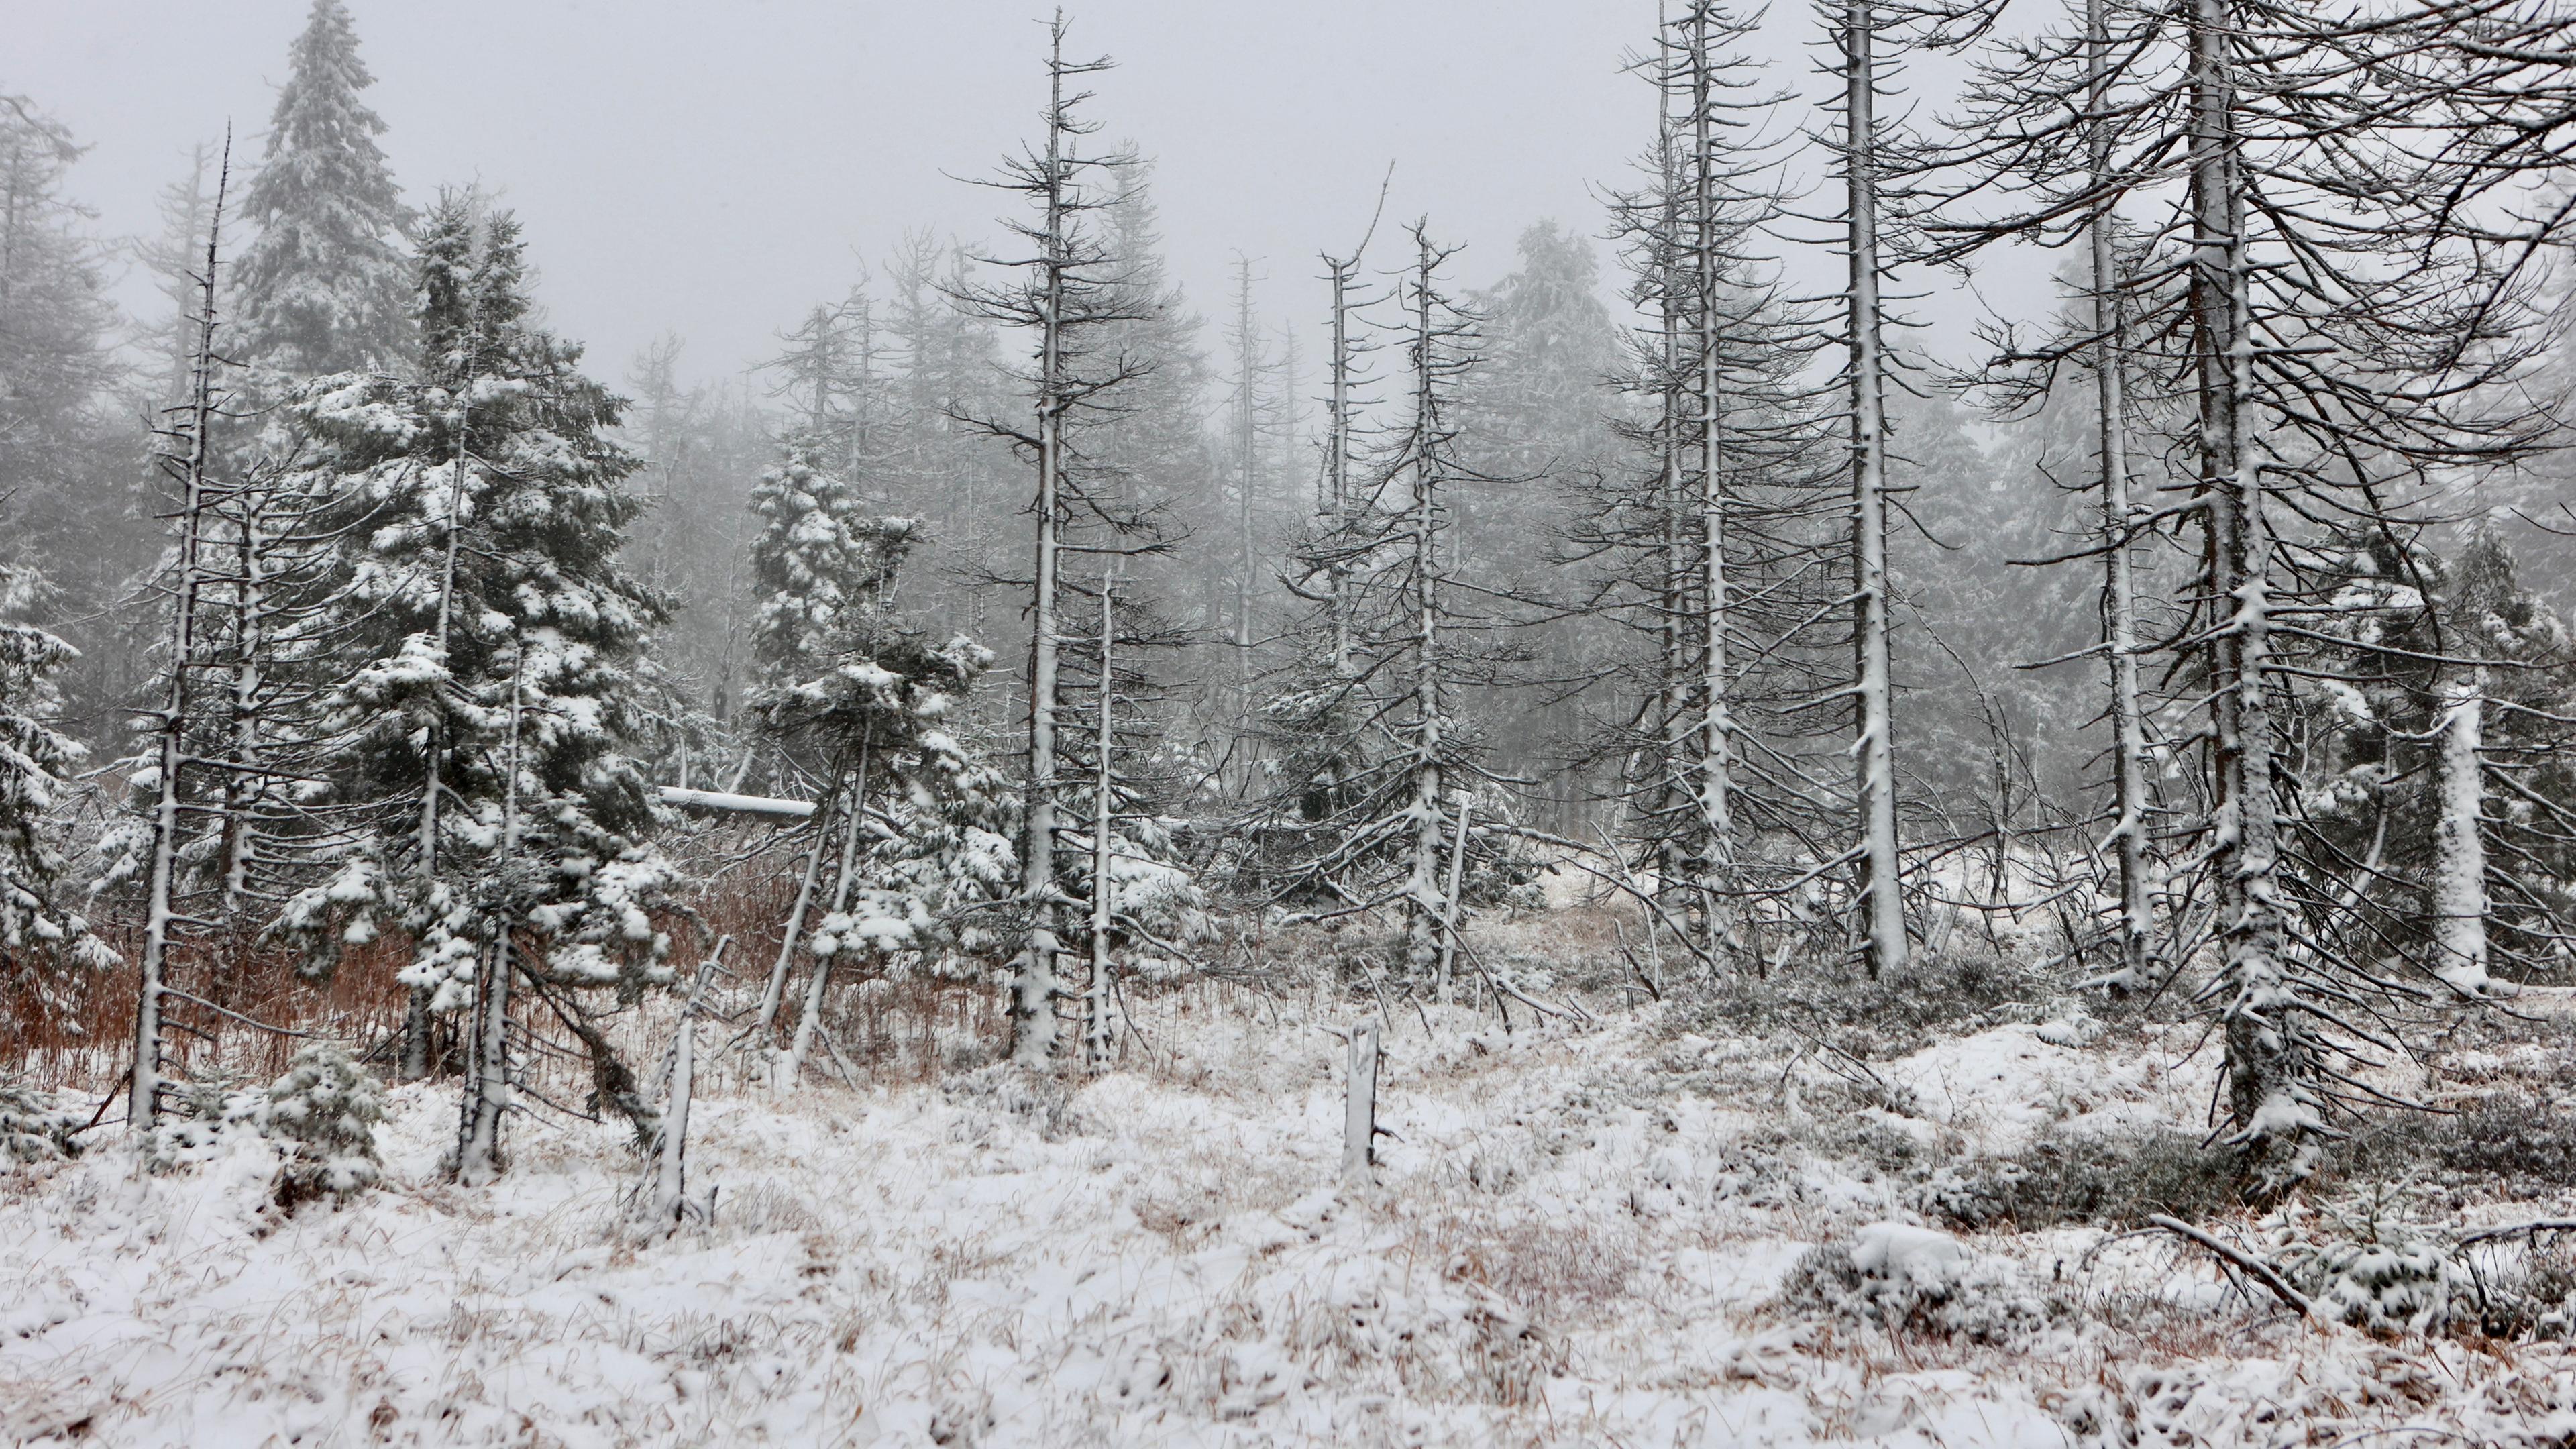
{"points": [[713, 167]]}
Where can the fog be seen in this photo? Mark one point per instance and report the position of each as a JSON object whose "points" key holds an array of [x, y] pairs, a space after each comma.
{"points": [[713, 170]]}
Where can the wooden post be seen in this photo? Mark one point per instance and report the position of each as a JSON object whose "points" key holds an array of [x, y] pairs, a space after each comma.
{"points": [[1359, 1117]]}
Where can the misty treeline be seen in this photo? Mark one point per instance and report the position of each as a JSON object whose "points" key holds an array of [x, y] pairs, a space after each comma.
{"points": [[1030, 630]]}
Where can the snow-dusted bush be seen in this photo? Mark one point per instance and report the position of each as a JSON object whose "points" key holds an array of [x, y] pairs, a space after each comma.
{"points": [[206, 1113], [322, 1115], [1963, 990], [1919, 1280], [34, 1127], [2525, 1289], [2118, 1177], [2371, 1259], [320, 1118], [1007, 1090]]}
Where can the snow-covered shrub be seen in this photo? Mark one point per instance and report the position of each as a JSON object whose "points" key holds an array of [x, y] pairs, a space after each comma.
{"points": [[1918, 1280], [1005, 1090], [322, 1115], [2062, 1177], [1963, 990], [320, 1118], [34, 1127], [2371, 1259], [207, 1112], [2524, 1289]]}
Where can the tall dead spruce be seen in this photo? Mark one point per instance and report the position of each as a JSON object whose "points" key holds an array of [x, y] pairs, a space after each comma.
{"points": [[1699, 547], [188, 585], [1858, 25], [1070, 294]]}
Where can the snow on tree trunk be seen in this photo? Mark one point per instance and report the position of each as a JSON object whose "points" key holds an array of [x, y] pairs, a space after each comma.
{"points": [[1452, 896], [487, 1086], [1035, 985], [791, 1063], [1715, 784], [2460, 872], [1422, 895], [670, 1178], [776, 991], [2129, 762], [1882, 901], [2271, 1064], [1104, 820]]}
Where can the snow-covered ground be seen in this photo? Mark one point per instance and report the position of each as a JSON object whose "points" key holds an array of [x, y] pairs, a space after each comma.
{"points": [[1576, 1238]]}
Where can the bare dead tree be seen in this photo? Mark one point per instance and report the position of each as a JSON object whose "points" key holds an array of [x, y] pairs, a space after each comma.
{"points": [[1068, 292]]}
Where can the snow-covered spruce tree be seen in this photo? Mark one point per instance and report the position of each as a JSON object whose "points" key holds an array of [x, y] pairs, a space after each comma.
{"points": [[922, 821], [322, 1116], [486, 644], [38, 930], [823, 568], [1077, 300], [2435, 739], [324, 284], [2342, 297]]}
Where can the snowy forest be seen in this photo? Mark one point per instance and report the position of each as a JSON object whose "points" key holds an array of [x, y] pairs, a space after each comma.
{"points": [[1690, 826]]}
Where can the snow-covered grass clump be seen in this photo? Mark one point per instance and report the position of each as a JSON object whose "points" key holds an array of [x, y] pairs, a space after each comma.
{"points": [[1917, 1280]]}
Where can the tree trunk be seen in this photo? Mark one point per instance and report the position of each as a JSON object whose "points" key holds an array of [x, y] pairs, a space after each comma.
{"points": [[1104, 819], [1422, 888], [143, 1107], [670, 1184], [1882, 901], [487, 1084], [2460, 878], [1034, 987], [792, 1064], [775, 992], [2129, 762], [1715, 785], [2270, 1052], [1450, 898]]}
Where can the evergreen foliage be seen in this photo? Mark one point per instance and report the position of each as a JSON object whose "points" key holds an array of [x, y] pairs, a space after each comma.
{"points": [[36, 927], [324, 286], [483, 615]]}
